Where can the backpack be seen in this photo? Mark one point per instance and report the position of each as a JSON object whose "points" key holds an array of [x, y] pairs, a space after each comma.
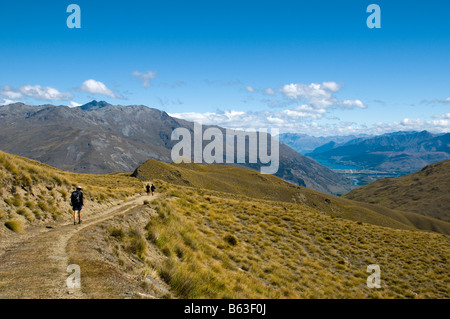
{"points": [[76, 198]]}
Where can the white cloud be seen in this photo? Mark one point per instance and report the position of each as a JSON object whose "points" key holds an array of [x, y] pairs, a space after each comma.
{"points": [[10, 93], [350, 104], [44, 93], [35, 91], [73, 104], [6, 102], [305, 111], [96, 87], [269, 91], [442, 116], [331, 86], [437, 101], [302, 119], [311, 91], [250, 89], [145, 77], [319, 96], [289, 118]]}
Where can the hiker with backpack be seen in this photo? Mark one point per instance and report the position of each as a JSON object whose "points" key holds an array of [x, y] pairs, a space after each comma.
{"points": [[148, 189], [76, 200], [153, 189]]}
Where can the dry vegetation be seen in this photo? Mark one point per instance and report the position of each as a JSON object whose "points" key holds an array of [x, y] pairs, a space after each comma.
{"points": [[252, 184], [219, 245], [33, 193], [425, 192], [204, 243]]}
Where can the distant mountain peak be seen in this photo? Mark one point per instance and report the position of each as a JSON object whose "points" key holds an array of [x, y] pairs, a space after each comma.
{"points": [[94, 105]]}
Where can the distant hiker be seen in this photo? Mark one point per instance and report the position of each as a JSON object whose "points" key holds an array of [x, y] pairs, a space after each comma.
{"points": [[153, 189], [76, 200], [148, 189]]}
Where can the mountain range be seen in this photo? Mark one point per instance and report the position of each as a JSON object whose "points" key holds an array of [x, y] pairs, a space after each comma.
{"points": [[102, 138], [402, 152], [304, 143]]}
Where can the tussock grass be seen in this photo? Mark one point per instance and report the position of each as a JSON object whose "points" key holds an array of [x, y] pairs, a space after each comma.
{"points": [[15, 225], [117, 233], [221, 246], [248, 183], [40, 192]]}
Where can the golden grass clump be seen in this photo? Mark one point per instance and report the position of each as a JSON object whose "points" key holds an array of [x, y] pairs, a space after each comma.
{"points": [[15, 225]]}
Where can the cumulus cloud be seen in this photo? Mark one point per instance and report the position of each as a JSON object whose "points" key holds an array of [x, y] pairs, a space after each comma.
{"points": [[305, 111], [313, 92], [331, 86], [145, 77], [319, 95], [35, 91], [96, 87], [10, 93], [303, 119], [44, 93], [6, 102], [350, 104], [289, 118]]}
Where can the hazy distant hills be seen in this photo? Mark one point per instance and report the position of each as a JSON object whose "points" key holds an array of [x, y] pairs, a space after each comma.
{"points": [[304, 143], [425, 192], [101, 138], [404, 152]]}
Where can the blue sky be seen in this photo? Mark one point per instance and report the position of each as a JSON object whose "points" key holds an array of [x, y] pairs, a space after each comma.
{"points": [[302, 66]]}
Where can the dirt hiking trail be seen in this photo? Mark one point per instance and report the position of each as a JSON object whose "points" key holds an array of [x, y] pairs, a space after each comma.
{"points": [[35, 266]]}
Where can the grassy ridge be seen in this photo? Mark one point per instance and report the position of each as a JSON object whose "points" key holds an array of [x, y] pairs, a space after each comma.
{"points": [[221, 245], [33, 192], [425, 192], [250, 183]]}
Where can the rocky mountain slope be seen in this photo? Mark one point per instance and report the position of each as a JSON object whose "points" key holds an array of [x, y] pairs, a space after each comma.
{"points": [[404, 152], [304, 143]]}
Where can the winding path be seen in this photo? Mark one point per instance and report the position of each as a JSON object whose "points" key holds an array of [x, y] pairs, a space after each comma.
{"points": [[36, 266]]}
